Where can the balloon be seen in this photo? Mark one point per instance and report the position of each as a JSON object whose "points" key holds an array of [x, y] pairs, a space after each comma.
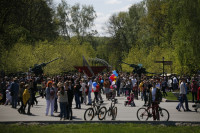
{"points": [[111, 87], [112, 78], [94, 84], [102, 81], [115, 73]]}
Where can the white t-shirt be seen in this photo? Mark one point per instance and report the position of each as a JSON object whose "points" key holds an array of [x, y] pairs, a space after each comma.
{"points": [[175, 80], [134, 81], [82, 86], [154, 94]]}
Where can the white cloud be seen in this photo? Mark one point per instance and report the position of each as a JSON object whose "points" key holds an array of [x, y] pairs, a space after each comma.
{"points": [[123, 9], [113, 2], [100, 21]]}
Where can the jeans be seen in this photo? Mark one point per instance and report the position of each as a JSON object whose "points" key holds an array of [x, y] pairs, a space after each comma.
{"points": [[14, 100], [77, 100], [50, 102], [55, 105], [186, 101], [194, 96], [89, 97], [63, 109]]}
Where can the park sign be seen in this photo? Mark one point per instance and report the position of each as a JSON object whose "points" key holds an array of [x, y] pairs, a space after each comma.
{"points": [[165, 62]]}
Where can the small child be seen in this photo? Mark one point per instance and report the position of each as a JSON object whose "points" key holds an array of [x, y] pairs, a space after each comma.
{"points": [[180, 103], [8, 98]]}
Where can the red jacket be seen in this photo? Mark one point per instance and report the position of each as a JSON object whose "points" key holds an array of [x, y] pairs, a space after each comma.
{"points": [[198, 94], [194, 87], [97, 88]]}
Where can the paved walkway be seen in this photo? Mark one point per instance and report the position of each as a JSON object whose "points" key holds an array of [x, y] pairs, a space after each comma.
{"points": [[128, 113]]}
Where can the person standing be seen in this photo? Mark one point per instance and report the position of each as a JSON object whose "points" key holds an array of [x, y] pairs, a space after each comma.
{"points": [[63, 100], [20, 96], [96, 91], [14, 89], [50, 96], [77, 95], [118, 85], [70, 92], [175, 83], [194, 88], [3, 90], [181, 97], [26, 100], [141, 86], [83, 86], [185, 99], [89, 91], [34, 91], [56, 97], [107, 87], [164, 87]]}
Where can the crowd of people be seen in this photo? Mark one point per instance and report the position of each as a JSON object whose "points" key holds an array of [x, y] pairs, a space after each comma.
{"points": [[21, 91]]}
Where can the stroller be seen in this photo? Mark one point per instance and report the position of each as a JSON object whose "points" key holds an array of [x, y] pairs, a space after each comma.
{"points": [[196, 106], [130, 100]]}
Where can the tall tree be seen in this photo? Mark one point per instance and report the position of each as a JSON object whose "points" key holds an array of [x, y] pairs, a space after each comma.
{"points": [[63, 14], [82, 20]]}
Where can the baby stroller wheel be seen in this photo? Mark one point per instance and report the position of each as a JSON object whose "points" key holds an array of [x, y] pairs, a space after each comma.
{"points": [[132, 104], [125, 103]]}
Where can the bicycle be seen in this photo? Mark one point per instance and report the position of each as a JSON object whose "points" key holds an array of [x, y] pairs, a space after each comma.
{"points": [[143, 114], [91, 112], [111, 112]]}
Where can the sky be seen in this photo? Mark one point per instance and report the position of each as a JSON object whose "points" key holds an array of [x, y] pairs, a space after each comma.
{"points": [[104, 9]]}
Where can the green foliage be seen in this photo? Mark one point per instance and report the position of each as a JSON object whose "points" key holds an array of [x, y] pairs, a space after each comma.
{"points": [[32, 32], [23, 56], [99, 128]]}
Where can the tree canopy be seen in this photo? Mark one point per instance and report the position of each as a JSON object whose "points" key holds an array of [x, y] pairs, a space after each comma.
{"points": [[35, 31]]}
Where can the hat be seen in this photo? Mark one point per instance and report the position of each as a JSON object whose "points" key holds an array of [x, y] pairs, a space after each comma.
{"points": [[49, 82]]}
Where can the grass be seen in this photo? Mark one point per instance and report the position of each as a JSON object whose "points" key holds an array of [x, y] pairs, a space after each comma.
{"points": [[97, 128], [170, 96]]}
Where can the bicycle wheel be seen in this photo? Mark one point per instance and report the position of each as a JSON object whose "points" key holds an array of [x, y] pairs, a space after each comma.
{"points": [[114, 113], [102, 113], [164, 114], [142, 114], [109, 114], [89, 114]]}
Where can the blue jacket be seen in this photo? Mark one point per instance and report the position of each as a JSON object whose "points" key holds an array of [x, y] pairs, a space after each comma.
{"points": [[14, 88]]}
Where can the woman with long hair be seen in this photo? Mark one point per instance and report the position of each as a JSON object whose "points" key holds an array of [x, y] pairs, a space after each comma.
{"points": [[63, 100]]}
